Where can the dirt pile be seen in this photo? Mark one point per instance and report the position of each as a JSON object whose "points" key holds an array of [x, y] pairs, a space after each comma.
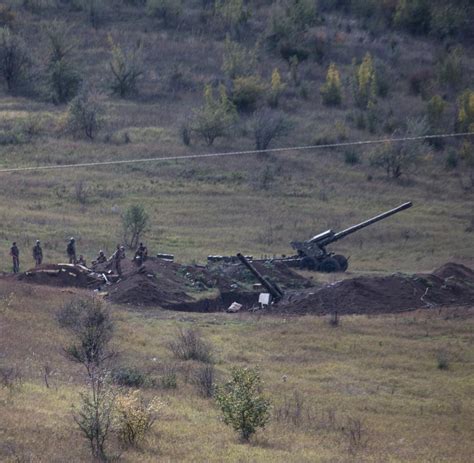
{"points": [[448, 285], [63, 275]]}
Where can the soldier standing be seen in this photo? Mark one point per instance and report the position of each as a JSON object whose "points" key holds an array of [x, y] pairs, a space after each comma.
{"points": [[117, 257], [38, 253], [141, 254], [15, 253], [71, 251]]}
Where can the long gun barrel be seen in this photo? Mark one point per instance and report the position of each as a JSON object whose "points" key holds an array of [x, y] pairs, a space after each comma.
{"points": [[328, 238], [276, 293]]}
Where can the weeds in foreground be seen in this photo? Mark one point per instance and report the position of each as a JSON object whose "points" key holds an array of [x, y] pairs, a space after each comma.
{"points": [[189, 345]]}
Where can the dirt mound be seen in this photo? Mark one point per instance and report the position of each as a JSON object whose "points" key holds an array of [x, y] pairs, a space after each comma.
{"points": [[62, 275], [450, 284], [453, 270]]}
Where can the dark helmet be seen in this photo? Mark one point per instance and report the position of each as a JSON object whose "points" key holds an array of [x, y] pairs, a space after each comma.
{"points": [[72, 240], [14, 243], [38, 242]]}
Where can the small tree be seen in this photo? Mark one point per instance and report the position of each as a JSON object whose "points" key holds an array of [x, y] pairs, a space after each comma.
{"points": [[331, 91], [63, 79], [126, 68], [434, 111], [267, 125], [465, 122], [276, 89], [15, 61], [135, 223], [365, 83], [397, 157], [216, 117], [89, 322], [168, 11], [247, 92], [85, 115], [242, 403], [233, 15]]}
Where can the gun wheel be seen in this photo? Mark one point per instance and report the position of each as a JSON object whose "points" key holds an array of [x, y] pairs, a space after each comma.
{"points": [[342, 261], [308, 263], [329, 265]]}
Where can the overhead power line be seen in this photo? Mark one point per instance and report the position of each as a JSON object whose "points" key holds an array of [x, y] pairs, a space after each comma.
{"points": [[231, 153]]}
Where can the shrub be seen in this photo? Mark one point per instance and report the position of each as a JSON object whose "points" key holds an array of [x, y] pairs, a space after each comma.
{"points": [[413, 15], [85, 115], [331, 91], [450, 67], [91, 325], [442, 360], [448, 20], [434, 111], [420, 82], [134, 417], [15, 60], [126, 67], [247, 92], [7, 16], [94, 416], [351, 157], [189, 345], [93, 8], [232, 14], [216, 117], [397, 157], [169, 379], [452, 160], [204, 380], [169, 11], [10, 378], [267, 125], [134, 223], [237, 60], [129, 376], [241, 402]]}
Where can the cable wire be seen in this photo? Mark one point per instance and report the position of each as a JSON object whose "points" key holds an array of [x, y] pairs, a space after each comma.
{"points": [[231, 153]]}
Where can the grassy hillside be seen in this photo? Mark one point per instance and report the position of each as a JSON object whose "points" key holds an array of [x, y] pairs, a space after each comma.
{"points": [[256, 203], [382, 372]]}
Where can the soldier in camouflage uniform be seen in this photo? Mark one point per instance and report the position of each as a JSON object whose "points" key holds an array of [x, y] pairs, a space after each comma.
{"points": [[38, 253]]}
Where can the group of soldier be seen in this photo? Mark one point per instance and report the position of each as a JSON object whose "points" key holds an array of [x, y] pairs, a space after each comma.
{"points": [[116, 258]]}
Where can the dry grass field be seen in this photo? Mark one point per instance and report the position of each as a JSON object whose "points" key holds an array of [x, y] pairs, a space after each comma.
{"points": [[381, 372], [369, 390]]}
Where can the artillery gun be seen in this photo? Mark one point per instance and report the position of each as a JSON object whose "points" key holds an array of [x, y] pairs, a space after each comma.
{"points": [[312, 254]]}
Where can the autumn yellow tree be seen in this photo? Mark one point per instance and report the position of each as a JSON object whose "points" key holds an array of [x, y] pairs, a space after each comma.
{"points": [[466, 112], [276, 88], [331, 91], [365, 83]]}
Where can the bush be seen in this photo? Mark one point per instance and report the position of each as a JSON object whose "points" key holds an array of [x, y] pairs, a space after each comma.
{"points": [[267, 125], [452, 160], [232, 14], [396, 158], [15, 60], [414, 16], [434, 111], [169, 379], [189, 345], [331, 91], [420, 82], [241, 402], [351, 157], [129, 376], [237, 60], [247, 92], [126, 67], [465, 121], [450, 67], [7, 16], [169, 11], [85, 115], [134, 417], [204, 380], [216, 117]]}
